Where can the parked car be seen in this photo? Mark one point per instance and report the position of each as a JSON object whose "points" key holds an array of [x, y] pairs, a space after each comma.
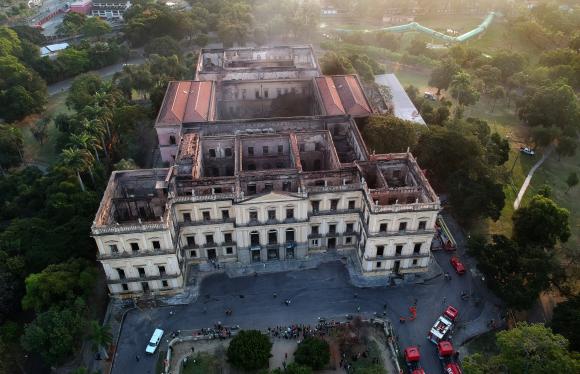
{"points": [[429, 96], [527, 151], [154, 341], [457, 265]]}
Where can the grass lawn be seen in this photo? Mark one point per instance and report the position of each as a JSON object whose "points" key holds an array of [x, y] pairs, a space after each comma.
{"points": [[44, 154], [203, 363], [373, 359]]}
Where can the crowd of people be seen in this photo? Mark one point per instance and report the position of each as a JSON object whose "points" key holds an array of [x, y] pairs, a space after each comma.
{"points": [[301, 331]]}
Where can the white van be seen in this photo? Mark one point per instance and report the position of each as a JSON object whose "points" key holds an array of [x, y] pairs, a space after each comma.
{"points": [[154, 342]]}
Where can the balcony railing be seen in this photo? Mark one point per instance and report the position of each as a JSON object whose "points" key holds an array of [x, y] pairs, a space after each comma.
{"points": [[128, 228], [333, 212], [401, 233], [144, 278], [342, 187], [131, 254], [255, 222]]}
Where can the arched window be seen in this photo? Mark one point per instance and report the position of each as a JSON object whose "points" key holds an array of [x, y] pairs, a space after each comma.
{"points": [[272, 237], [254, 238], [172, 140], [290, 235]]}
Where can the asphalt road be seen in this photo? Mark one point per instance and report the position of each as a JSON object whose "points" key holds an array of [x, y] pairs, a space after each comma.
{"points": [[105, 72], [324, 291]]}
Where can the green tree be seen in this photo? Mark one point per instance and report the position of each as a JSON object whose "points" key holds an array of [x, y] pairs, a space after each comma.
{"points": [[77, 160], [544, 136], [71, 24], [496, 94], [235, 23], [11, 147], [55, 334], [333, 63], [566, 147], [401, 134], [516, 274], [313, 352], [553, 105], [509, 63], [442, 75], [75, 61], [101, 337], [58, 284], [541, 222], [462, 89], [489, 75], [82, 91], [527, 348], [498, 149], [163, 46], [249, 350], [475, 197], [572, 180], [566, 321], [94, 27], [40, 129]]}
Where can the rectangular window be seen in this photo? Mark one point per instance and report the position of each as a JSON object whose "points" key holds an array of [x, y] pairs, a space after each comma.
{"points": [[251, 151], [225, 214], [206, 215], [192, 253], [422, 225], [301, 147], [257, 94], [398, 250], [403, 226], [278, 91], [272, 237], [228, 152], [145, 286], [286, 186], [348, 240], [229, 251], [125, 286], [156, 244], [244, 93], [265, 150], [134, 247], [289, 213], [190, 241], [314, 230], [380, 250], [332, 229], [161, 269], [417, 248], [268, 187], [164, 284], [383, 227], [266, 93], [121, 273], [351, 204], [209, 239], [141, 272], [333, 204], [315, 206], [349, 227], [253, 215], [228, 237], [315, 243], [212, 153], [251, 189], [415, 262], [379, 264], [186, 217], [280, 149], [113, 248], [271, 214]]}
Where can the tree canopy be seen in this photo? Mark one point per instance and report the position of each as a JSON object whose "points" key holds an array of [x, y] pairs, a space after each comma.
{"points": [[313, 352], [566, 321], [541, 222], [401, 134], [249, 350], [527, 348]]}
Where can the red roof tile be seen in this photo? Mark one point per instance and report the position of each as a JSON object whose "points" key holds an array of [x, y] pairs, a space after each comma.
{"points": [[351, 95], [330, 97], [186, 101]]}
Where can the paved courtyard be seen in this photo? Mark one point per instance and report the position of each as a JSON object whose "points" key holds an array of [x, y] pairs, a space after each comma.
{"points": [[322, 292]]}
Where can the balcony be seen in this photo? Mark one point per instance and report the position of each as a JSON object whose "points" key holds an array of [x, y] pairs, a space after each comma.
{"points": [[272, 222], [399, 232], [145, 278], [132, 254]]}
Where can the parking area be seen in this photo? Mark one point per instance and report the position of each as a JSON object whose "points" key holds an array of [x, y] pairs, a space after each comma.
{"points": [[322, 292]]}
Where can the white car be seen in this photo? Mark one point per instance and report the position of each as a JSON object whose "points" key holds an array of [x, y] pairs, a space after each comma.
{"points": [[154, 341], [527, 151]]}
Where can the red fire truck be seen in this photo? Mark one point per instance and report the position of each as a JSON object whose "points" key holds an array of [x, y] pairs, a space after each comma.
{"points": [[448, 357], [443, 325], [412, 357]]}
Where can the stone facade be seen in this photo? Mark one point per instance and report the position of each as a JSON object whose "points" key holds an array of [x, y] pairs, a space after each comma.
{"points": [[251, 190]]}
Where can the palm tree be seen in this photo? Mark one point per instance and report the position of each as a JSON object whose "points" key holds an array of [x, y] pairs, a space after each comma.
{"points": [[78, 160], [96, 129], [85, 140], [101, 337]]}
